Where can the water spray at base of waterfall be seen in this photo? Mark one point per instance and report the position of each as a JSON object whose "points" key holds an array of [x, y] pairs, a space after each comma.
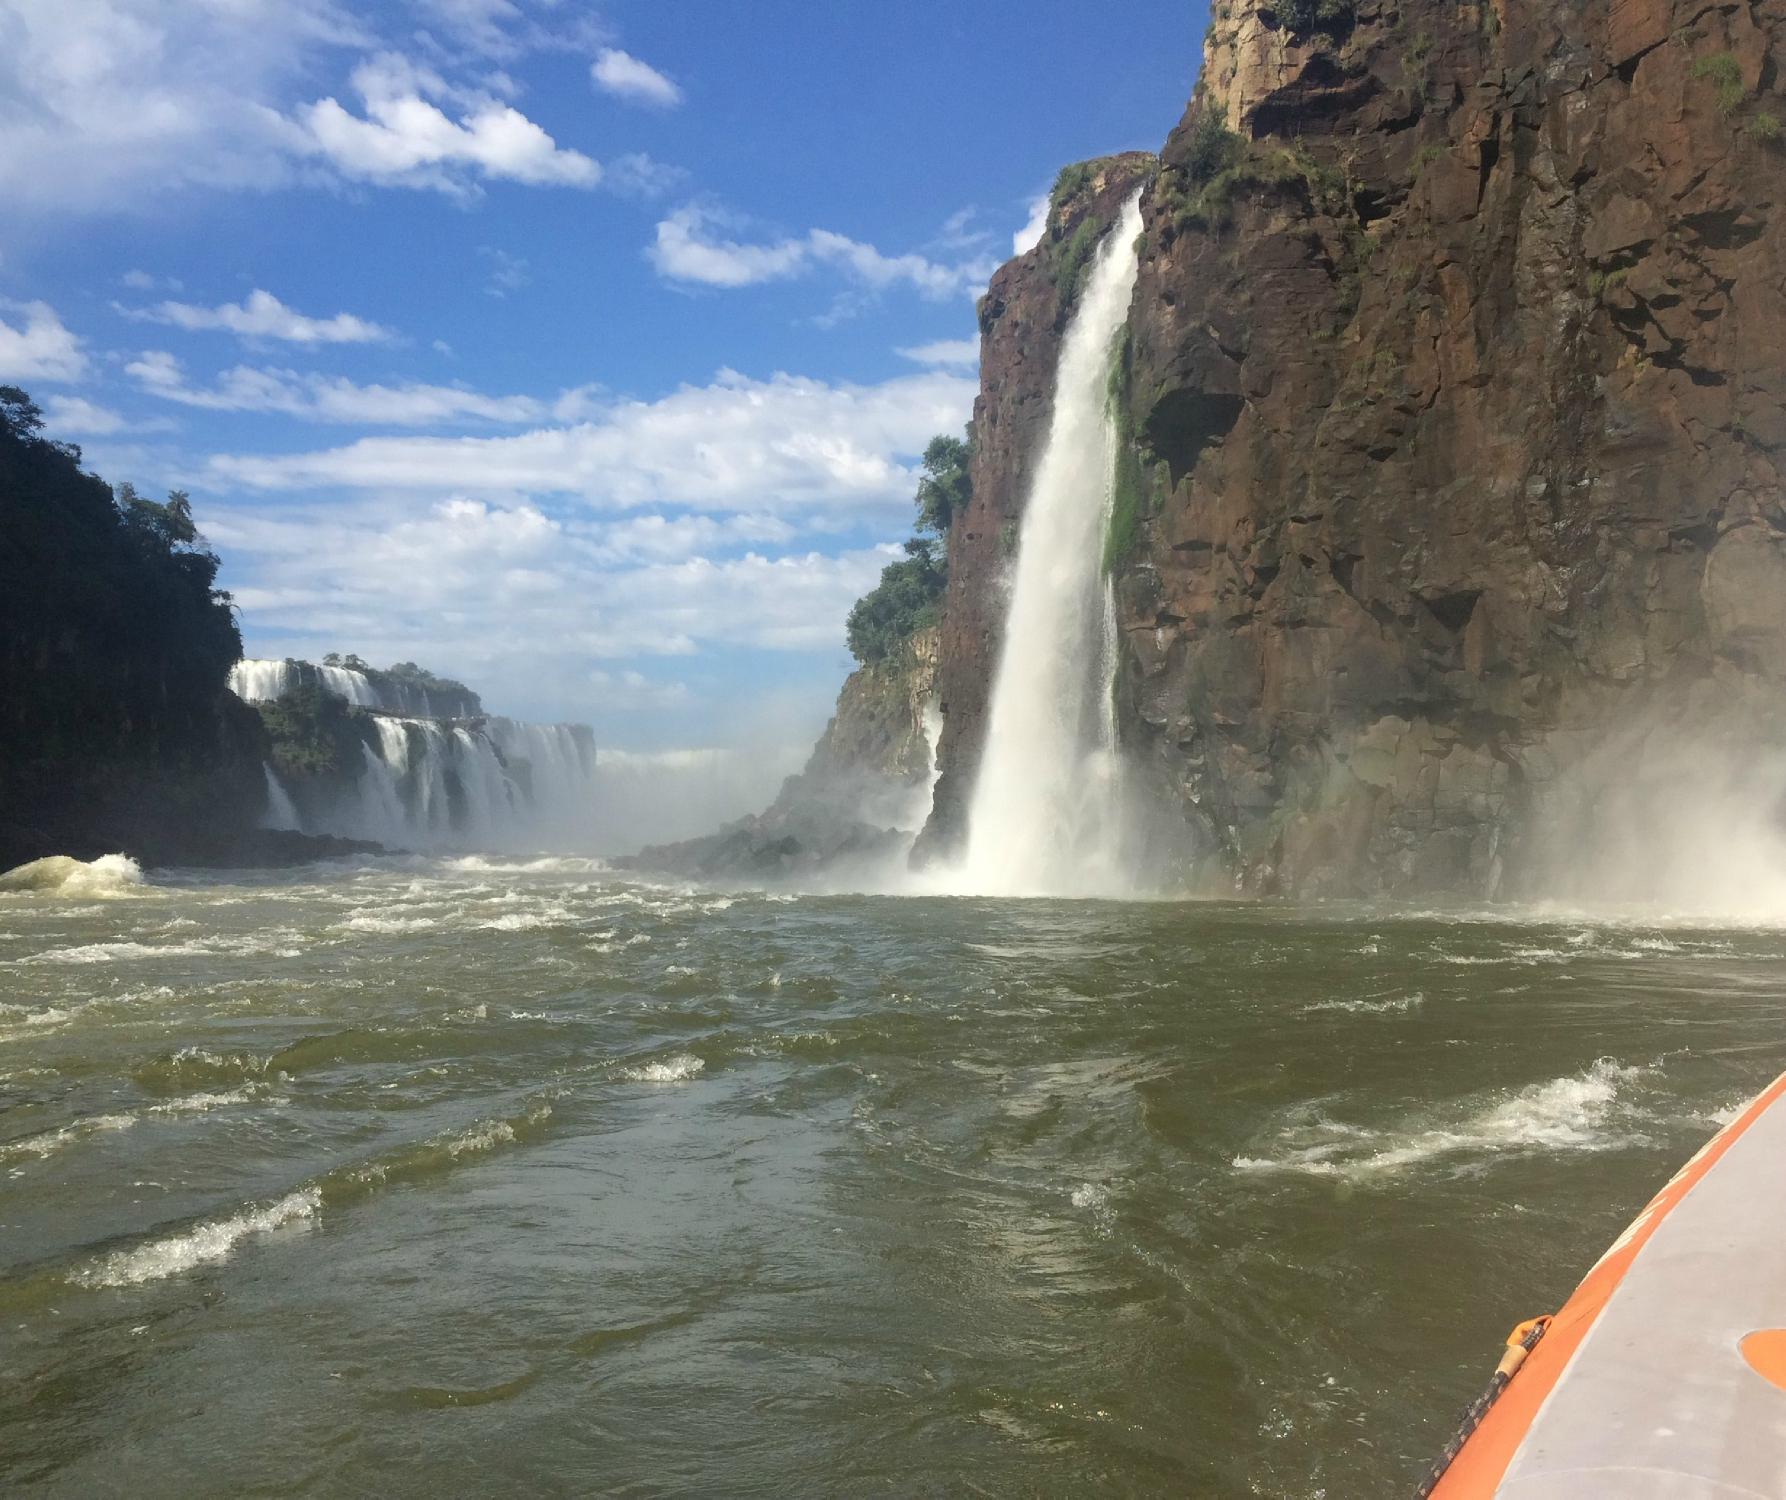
{"points": [[1051, 809]]}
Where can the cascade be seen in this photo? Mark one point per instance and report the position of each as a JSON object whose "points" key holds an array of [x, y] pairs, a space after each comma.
{"points": [[281, 813], [1047, 815], [431, 781]]}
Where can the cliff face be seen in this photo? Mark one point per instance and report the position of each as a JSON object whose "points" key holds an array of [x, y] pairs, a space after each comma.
{"points": [[859, 798], [1454, 395]]}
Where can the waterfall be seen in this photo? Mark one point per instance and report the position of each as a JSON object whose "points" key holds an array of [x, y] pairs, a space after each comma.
{"points": [[1047, 813], [280, 814], [262, 681], [429, 779]]}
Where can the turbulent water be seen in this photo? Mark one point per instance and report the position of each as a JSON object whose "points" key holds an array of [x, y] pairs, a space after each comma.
{"points": [[1046, 816], [472, 1177]]}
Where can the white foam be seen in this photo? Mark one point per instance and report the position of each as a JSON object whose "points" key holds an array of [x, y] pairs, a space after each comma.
{"points": [[108, 876], [203, 1103], [368, 922], [206, 1244], [107, 953], [1573, 1113], [1396, 1003], [47, 1142], [678, 1069]]}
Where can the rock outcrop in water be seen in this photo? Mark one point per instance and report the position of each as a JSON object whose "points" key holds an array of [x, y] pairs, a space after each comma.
{"points": [[1455, 389], [863, 792]]}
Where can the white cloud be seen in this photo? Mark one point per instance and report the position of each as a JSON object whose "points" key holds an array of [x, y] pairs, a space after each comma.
{"points": [[1027, 238], [960, 353], [261, 315], [478, 580], [404, 138], [111, 103], [737, 443], [37, 346], [508, 273], [625, 77], [108, 102], [687, 249], [75, 416], [332, 398]]}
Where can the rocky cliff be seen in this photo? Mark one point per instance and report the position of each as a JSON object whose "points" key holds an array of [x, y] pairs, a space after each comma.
{"points": [[1454, 396], [863, 792]]}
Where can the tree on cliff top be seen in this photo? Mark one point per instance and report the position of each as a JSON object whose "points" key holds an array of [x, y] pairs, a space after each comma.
{"points": [[910, 594], [114, 641]]}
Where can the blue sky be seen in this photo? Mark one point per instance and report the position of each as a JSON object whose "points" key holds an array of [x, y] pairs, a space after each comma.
{"points": [[580, 351]]}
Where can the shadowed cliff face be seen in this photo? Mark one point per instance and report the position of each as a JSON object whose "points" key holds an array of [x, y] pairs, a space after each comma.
{"points": [[1456, 394]]}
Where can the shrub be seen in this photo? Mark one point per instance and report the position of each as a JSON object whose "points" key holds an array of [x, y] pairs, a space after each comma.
{"points": [[1725, 72], [1074, 256], [1073, 177], [1303, 16], [1765, 126]]}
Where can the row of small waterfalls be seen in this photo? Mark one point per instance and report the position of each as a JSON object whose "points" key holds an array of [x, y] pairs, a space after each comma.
{"points": [[436, 778]]}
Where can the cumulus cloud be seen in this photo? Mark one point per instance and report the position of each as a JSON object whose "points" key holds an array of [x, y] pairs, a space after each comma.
{"points": [[110, 103], [691, 246], [626, 77], [736, 443], [958, 353], [405, 139], [332, 398], [516, 595], [261, 315], [1027, 238], [34, 344]]}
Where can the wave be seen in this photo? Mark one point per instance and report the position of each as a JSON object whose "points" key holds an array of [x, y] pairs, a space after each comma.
{"points": [[1396, 1003], [59, 874], [1578, 1112], [48, 1142], [205, 1243], [370, 922], [677, 1069]]}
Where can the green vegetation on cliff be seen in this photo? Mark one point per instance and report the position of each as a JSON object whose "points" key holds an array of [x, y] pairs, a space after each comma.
{"points": [[114, 647], [314, 735], [114, 642], [910, 594]]}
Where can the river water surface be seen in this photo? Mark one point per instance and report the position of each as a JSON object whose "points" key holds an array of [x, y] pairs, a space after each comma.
{"points": [[477, 1177]]}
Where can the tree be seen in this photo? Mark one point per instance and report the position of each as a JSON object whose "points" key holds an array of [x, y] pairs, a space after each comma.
{"points": [[947, 484], [909, 596]]}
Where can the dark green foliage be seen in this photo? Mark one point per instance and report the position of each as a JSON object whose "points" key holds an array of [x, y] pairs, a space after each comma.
{"points": [[1073, 177], [909, 597], [906, 600], [114, 641], [1304, 16], [1214, 148], [1128, 503], [1073, 256], [946, 486], [315, 734], [1217, 164]]}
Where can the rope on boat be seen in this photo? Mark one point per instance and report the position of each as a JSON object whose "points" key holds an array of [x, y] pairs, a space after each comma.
{"points": [[1520, 1343]]}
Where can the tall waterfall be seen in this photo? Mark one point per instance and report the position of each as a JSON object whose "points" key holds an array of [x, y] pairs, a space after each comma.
{"points": [[1047, 816]]}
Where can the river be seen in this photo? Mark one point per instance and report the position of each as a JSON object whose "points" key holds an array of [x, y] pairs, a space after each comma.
{"points": [[470, 1176]]}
